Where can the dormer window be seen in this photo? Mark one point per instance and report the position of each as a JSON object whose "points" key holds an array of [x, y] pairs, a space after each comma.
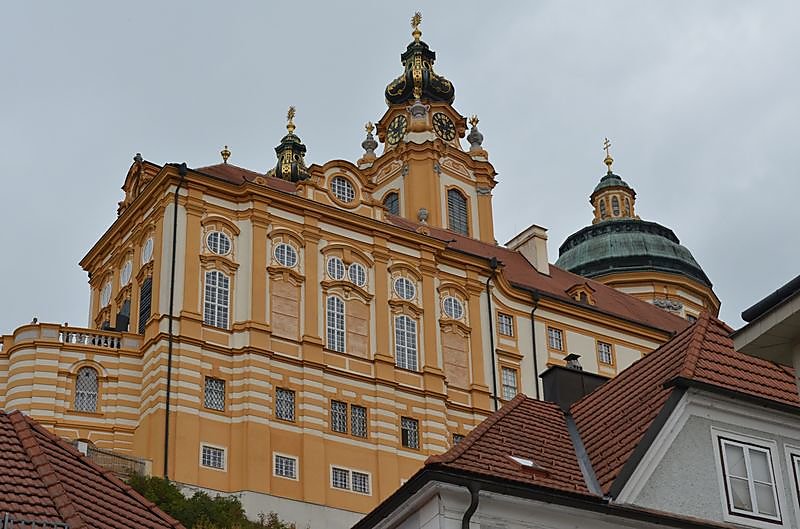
{"points": [[392, 203], [343, 189], [457, 218]]}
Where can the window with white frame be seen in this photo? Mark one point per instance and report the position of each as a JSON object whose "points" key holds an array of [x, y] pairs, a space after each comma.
{"points": [[359, 482], [604, 353], [339, 416], [218, 243], [86, 389], [214, 395], [405, 289], [555, 338], [750, 486], [358, 420], [340, 478], [357, 274], [335, 323], [105, 294], [284, 466], [216, 299], [335, 268], [505, 324], [409, 432], [343, 189], [509, 379], [284, 404], [286, 255], [212, 457], [405, 342], [147, 250], [346, 479], [125, 273], [453, 308]]}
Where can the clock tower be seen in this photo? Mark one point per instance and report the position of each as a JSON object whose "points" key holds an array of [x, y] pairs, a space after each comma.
{"points": [[425, 174]]}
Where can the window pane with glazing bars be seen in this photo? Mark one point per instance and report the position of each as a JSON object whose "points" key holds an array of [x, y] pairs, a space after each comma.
{"points": [[392, 203], [409, 432], [358, 420], [555, 339], [284, 404], [457, 212], [213, 457], [215, 307], [340, 478], [215, 394], [604, 353], [339, 416], [505, 324], [285, 467], [335, 320], [749, 479], [405, 342], [86, 390], [509, 383], [360, 482]]}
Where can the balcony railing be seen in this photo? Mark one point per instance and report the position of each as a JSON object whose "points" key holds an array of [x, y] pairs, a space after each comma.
{"points": [[12, 522], [70, 336], [111, 340], [121, 465]]}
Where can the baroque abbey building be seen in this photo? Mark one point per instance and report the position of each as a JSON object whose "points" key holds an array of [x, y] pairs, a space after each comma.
{"points": [[307, 335]]}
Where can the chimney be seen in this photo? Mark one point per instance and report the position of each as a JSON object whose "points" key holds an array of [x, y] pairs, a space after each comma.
{"points": [[566, 385], [532, 244]]}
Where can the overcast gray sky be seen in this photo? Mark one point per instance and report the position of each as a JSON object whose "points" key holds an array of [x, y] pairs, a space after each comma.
{"points": [[701, 101]]}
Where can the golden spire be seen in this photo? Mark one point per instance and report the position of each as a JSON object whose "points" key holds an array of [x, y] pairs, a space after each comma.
{"points": [[290, 120], [225, 154], [474, 120], [608, 160], [416, 20], [369, 127]]}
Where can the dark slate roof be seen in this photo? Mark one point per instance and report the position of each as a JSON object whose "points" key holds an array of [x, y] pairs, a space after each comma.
{"points": [[45, 479]]}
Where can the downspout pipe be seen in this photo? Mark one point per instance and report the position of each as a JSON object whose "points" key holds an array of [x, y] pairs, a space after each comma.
{"points": [[170, 332], [493, 266], [474, 492], [533, 345]]}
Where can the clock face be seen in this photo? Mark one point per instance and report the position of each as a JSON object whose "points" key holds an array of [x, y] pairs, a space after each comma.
{"points": [[396, 129], [443, 126]]}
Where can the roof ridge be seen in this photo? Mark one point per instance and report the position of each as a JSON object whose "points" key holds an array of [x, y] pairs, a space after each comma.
{"points": [[456, 452], [41, 463], [106, 473], [695, 345]]}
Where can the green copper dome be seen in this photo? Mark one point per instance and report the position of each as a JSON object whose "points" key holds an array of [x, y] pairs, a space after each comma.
{"points": [[610, 180], [627, 245]]}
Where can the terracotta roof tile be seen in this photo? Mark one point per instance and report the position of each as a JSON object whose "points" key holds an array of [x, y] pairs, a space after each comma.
{"points": [[613, 419], [47, 480], [239, 175], [525, 428]]}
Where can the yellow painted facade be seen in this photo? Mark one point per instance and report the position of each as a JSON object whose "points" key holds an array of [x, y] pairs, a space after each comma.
{"points": [[430, 330]]}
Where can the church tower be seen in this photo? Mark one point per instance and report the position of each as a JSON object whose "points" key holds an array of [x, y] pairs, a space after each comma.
{"points": [[638, 257]]}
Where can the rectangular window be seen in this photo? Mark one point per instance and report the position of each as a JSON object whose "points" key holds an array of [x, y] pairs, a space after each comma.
{"points": [[145, 301], [555, 339], [505, 324], [212, 457], [509, 377], [358, 420], [749, 480], [340, 478], [360, 482], [284, 466], [335, 323], [214, 398], [409, 432], [215, 302], [284, 404], [604, 354], [405, 342], [338, 416]]}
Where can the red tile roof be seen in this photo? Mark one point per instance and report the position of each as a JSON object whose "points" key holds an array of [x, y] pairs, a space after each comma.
{"points": [[614, 418], [239, 175], [45, 479], [526, 428]]}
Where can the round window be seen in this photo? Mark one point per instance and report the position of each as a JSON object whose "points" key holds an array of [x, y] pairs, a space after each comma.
{"points": [[147, 251], [358, 274], [286, 255], [343, 189], [335, 268], [453, 308], [125, 273], [218, 242], [105, 295], [404, 288]]}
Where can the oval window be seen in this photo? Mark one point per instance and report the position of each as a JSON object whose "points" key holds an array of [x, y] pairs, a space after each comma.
{"points": [[335, 268], [358, 274], [147, 250], [453, 308], [404, 288], [286, 255], [218, 242], [105, 295], [343, 189], [125, 273]]}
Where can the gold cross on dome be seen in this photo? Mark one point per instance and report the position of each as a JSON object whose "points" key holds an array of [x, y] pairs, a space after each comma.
{"points": [[416, 20], [607, 146]]}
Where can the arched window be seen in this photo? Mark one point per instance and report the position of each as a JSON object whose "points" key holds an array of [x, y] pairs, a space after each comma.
{"points": [[405, 342], [615, 206], [392, 203], [602, 208], [215, 303], [86, 390], [627, 210], [457, 212], [335, 320]]}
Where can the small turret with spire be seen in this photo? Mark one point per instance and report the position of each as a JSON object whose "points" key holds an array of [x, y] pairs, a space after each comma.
{"points": [[612, 198], [291, 152]]}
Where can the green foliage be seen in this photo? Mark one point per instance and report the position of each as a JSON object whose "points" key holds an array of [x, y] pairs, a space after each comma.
{"points": [[201, 511]]}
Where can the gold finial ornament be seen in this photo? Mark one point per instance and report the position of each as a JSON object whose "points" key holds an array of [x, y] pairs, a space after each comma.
{"points": [[608, 160], [369, 127], [290, 120], [474, 120], [416, 20], [225, 153]]}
